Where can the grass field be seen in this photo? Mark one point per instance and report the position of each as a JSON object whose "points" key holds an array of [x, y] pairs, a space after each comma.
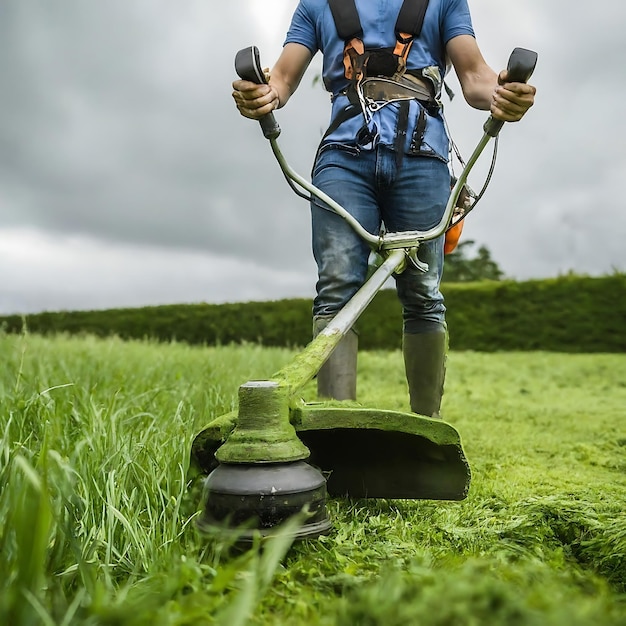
{"points": [[97, 525]]}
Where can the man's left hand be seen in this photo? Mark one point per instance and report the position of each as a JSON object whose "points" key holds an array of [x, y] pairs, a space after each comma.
{"points": [[511, 100]]}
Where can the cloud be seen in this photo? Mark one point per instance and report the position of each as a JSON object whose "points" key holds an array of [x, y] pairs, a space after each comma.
{"points": [[46, 272], [118, 129]]}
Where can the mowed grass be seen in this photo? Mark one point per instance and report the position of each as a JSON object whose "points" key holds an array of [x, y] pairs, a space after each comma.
{"points": [[97, 518]]}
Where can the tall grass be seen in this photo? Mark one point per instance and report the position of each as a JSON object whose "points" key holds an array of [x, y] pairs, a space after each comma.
{"points": [[97, 518], [96, 526]]}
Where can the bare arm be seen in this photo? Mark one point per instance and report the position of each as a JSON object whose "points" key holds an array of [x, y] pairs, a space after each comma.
{"points": [[482, 87], [255, 101]]}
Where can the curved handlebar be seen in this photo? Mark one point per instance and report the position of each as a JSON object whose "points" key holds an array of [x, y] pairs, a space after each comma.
{"points": [[248, 66]]}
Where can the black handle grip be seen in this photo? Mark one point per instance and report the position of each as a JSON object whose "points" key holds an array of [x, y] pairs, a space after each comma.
{"points": [[521, 65], [248, 67], [520, 68]]}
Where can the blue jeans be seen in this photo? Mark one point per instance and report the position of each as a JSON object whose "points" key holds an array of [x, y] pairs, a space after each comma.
{"points": [[371, 187]]}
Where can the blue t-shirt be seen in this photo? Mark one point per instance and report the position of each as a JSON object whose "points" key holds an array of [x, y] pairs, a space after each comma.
{"points": [[313, 26]]}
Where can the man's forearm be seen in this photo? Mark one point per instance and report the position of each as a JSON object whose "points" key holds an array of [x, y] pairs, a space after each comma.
{"points": [[289, 70], [479, 87]]}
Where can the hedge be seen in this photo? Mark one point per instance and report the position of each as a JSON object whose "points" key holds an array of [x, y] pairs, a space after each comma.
{"points": [[565, 314]]}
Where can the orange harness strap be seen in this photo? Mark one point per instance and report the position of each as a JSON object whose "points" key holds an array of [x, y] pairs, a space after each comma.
{"points": [[402, 49], [353, 54]]}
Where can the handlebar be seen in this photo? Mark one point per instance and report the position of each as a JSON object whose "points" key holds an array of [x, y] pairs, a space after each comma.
{"points": [[248, 66]]}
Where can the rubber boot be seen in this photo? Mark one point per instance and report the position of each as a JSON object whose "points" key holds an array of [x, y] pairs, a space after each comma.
{"points": [[425, 366], [336, 379]]}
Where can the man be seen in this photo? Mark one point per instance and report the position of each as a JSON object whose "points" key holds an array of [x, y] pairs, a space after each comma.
{"points": [[384, 159]]}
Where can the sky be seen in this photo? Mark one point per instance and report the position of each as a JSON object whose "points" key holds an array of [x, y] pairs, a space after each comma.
{"points": [[128, 178]]}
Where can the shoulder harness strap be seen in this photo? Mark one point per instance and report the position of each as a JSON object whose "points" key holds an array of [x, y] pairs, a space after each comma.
{"points": [[348, 25], [408, 27], [346, 18]]}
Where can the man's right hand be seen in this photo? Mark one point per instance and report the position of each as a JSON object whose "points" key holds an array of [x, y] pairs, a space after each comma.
{"points": [[254, 101]]}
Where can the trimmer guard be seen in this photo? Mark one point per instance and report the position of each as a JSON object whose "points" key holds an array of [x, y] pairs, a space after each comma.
{"points": [[371, 453], [366, 453]]}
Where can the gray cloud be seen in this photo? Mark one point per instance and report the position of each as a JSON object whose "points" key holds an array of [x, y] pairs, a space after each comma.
{"points": [[118, 129]]}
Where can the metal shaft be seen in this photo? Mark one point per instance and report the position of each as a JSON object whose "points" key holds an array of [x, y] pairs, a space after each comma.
{"points": [[306, 364]]}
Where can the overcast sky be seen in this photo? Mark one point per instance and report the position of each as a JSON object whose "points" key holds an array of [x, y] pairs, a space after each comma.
{"points": [[128, 178]]}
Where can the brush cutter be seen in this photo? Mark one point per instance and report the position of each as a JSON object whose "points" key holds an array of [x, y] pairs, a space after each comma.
{"points": [[277, 455]]}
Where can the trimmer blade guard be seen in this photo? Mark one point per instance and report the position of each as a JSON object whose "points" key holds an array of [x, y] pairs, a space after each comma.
{"points": [[370, 453], [367, 453]]}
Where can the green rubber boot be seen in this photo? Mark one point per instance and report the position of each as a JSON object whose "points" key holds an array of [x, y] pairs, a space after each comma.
{"points": [[336, 379], [425, 365]]}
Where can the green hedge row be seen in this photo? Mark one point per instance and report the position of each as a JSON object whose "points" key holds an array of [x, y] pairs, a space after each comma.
{"points": [[565, 314]]}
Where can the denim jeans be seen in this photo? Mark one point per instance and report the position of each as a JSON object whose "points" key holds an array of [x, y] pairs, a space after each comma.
{"points": [[371, 187]]}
